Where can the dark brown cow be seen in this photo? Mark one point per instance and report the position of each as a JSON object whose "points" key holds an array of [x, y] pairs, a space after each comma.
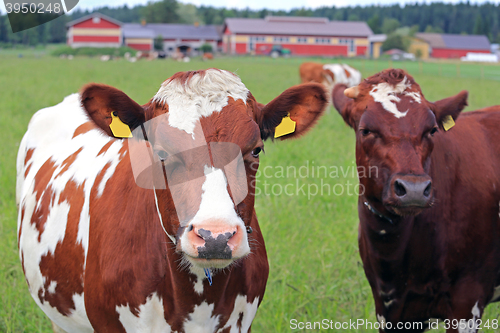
{"points": [[158, 232], [429, 233]]}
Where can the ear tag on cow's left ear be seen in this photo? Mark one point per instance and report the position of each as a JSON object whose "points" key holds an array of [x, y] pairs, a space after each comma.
{"points": [[119, 128], [286, 126], [448, 123]]}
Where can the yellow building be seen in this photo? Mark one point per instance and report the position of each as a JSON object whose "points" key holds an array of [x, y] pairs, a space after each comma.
{"points": [[420, 48], [376, 42]]}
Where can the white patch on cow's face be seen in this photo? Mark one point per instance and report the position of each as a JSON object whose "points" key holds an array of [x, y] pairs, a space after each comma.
{"points": [[50, 135], [201, 319], [216, 204], [199, 97], [242, 306], [385, 94], [151, 317]]}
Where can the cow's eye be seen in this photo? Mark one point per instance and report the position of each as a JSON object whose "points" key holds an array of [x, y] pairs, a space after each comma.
{"points": [[365, 131], [433, 131], [255, 153]]}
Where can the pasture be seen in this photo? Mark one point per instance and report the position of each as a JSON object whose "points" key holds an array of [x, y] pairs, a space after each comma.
{"points": [[306, 201]]}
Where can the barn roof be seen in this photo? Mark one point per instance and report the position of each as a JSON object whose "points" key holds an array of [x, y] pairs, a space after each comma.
{"points": [[87, 17], [136, 30], [304, 26], [170, 31], [450, 41]]}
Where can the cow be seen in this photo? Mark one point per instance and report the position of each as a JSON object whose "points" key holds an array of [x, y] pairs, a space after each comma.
{"points": [[207, 56], [329, 74], [141, 218], [429, 226]]}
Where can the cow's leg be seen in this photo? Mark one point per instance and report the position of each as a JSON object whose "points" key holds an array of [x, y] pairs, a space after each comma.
{"points": [[467, 305], [57, 329]]}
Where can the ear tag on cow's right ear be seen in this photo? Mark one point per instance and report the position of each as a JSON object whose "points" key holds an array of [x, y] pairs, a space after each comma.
{"points": [[286, 126], [119, 128], [448, 123]]}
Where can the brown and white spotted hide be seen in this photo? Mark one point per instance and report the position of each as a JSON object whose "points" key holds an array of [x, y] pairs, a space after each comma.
{"points": [[124, 235]]}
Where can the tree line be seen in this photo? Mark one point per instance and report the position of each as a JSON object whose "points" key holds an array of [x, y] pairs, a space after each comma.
{"points": [[461, 18]]}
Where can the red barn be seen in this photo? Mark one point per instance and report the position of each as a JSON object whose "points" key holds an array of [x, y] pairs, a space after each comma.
{"points": [[455, 46], [308, 36], [96, 30]]}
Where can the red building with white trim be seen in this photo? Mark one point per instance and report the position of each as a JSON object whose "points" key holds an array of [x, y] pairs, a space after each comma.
{"points": [[96, 30], [452, 46], [308, 36]]}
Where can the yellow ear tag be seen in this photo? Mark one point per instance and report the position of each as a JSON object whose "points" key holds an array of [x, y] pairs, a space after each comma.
{"points": [[119, 129], [448, 123], [286, 126]]}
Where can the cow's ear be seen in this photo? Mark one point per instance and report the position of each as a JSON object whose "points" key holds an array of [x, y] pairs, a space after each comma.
{"points": [[100, 101], [304, 103], [451, 106], [344, 104]]}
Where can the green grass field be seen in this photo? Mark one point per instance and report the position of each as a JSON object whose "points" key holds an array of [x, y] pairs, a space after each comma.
{"points": [[315, 269]]}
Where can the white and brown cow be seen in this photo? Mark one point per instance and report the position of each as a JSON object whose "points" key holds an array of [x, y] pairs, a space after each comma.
{"points": [[173, 247], [329, 74]]}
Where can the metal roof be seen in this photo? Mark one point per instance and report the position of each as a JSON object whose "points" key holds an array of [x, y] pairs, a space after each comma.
{"points": [[136, 30], [470, 42], [303, 26], [450, 41], [377, 38], [87, 17], [170, 31]]}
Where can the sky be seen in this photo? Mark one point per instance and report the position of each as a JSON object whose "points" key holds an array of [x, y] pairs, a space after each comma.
{"points": [[258, 4]]}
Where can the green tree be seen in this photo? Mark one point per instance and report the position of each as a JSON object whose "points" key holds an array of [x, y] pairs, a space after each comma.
{"points": [[390, 25], [164, 11], [158, 43], [188, 14], [374, 24], [396, 41]]}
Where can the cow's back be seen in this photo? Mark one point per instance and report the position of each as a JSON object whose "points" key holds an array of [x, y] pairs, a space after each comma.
{"points": [[59, 159]]}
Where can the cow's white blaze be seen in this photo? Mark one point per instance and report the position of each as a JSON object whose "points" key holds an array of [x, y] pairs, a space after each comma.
{"points": [[201, 319], [386, 94], [216, 205], [245, 308], [150, 318], [50, 135], [199, 97]]}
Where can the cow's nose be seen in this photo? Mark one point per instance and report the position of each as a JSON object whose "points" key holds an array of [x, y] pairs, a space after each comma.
{"points": [[413, 190], [215, 243]]}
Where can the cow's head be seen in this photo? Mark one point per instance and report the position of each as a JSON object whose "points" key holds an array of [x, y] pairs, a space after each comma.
{"points": [[197, 144], [395, 131]]}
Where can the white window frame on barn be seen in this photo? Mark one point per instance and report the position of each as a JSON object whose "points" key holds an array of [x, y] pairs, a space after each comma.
{"points": [[349, 43], [323, 41], [252, 40], [301, 39], [281, 39]]}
